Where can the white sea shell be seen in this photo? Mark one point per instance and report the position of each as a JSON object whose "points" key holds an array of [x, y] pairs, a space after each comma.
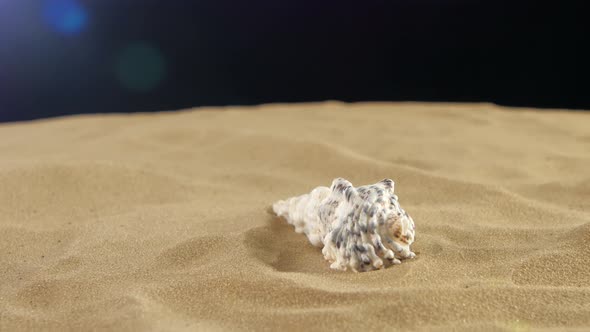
{"points": [[358, 228]]}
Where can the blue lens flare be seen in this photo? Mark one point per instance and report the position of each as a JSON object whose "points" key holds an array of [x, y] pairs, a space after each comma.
{"points": [[140, 67], [65, 16]]}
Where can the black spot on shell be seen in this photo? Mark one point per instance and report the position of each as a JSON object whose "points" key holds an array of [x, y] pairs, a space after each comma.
{"points": [[372, 211], [361, 248], [379, 245], [348, 194], [334, 236]]}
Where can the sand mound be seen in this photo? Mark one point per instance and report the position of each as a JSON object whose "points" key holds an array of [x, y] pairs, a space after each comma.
{"points": [[160, 221]]}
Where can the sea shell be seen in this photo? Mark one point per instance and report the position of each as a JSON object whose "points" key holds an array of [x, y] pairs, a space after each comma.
{"points": [[358, 228]]}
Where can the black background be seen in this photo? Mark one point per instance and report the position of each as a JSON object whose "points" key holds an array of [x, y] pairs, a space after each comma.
{"points": [[221, 52]]}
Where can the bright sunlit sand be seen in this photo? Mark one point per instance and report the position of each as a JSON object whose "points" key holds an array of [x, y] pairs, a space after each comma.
{"points": [[160, 222]]}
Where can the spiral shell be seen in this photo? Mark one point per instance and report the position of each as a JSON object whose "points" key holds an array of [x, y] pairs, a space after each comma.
{"points": [[358, 228]]}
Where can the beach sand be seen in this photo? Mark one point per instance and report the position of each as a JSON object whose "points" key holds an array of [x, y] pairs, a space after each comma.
{"points": [[160, 221]]}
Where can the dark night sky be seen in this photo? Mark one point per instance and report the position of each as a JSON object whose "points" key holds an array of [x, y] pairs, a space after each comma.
{"points": [[125, 56]]}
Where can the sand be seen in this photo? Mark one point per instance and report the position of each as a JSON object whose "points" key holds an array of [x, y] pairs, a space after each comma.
{"points": [[159, 221]]}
